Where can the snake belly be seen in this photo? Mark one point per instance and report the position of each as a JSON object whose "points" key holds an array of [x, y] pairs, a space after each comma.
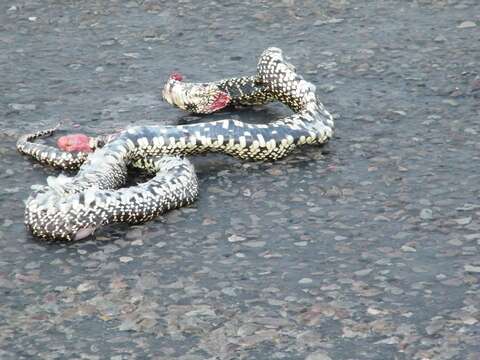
{"points": [[72, 208]]}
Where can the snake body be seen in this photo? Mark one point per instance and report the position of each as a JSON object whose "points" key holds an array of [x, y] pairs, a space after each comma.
{"points": [[73, 207]]}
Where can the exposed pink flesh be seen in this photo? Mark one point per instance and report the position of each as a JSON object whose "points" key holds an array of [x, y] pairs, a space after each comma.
{"points": [[74, 143], [176, 76], [222, 99]]}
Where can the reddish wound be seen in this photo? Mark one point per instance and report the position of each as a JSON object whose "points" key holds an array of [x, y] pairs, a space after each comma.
{"points": [[74, 143], [222, 99], [176, 76]]}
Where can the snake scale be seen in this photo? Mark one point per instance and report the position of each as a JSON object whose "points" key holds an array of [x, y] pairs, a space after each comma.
{"points": [[72, 208]]}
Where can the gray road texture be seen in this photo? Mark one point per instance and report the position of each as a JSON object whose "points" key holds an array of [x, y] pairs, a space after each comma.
{"points": [[366, 248]]}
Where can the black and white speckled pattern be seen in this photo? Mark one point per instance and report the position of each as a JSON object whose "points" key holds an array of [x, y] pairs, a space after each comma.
{"points": [[72, 208], [49, 155]]}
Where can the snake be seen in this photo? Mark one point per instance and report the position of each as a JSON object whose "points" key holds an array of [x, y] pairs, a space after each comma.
{"points": [[74, 207]]}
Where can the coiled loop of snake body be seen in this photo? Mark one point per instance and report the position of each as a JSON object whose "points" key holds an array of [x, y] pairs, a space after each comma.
{"points": [[73, 207]]}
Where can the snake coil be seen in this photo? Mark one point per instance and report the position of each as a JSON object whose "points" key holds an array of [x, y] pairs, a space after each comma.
{"points": [[72, 208]]}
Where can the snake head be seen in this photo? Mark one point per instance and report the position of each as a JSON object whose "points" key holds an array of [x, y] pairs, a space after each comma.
{"points": [[207, 100], [198, 98], [75, 143]]}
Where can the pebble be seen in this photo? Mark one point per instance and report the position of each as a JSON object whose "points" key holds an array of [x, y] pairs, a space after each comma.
{"points": [[472, 268], [464, 221], [470, 321], [85, 287], [305, 281], [22, 107], [455, 242], [125, 259], [327, 88], [440, 39], [254, 243], [450, 102], [327, 22], [406, 248], [426, 214], [434, 328], [468, 207], [236, 238], [373, 311], [363, 272], [319, 355], [470, 237], [300, 243], [475, 84], [467, 25], [132, 55]]}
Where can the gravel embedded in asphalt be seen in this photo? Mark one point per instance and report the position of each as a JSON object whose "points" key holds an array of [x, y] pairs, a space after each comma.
{"points": [[365, 248]]}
